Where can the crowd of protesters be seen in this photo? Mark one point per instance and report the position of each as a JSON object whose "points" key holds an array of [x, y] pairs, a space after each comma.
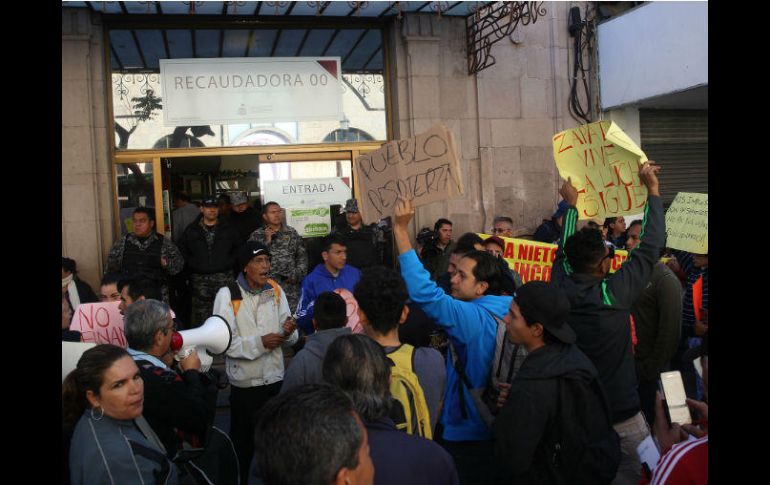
{"points": [[387, 363]]}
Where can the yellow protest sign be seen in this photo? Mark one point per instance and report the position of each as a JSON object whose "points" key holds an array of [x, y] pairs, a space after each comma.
{"points": [[423, 169], [603, 163], [687, 223], [533, 260]]}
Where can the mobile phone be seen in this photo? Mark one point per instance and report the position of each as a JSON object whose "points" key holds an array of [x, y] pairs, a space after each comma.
{"points": [[674, 395]]}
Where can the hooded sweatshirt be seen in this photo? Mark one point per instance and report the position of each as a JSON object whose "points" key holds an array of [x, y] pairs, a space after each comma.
{"points": [[472, 330], [600, 311], [305, 367], [525, 430], [318, 281]]}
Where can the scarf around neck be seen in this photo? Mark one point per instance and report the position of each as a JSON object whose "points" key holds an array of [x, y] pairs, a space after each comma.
{"points": [[72, 290]]}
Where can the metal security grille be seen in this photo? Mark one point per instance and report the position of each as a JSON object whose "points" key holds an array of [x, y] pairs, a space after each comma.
{"points": [[678, 140]]}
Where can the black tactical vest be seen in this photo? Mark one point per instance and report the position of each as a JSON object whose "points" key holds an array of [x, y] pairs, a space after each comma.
{"points": [[143, 263]]}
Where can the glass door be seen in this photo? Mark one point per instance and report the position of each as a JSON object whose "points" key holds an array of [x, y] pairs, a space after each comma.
{"points": [[137, 184]]}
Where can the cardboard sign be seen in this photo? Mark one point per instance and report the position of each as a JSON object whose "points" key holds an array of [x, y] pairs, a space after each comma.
{"points": [[309, 222], [533, 260], [687, 223], [99, 323], [423, 169], [603, 163]]}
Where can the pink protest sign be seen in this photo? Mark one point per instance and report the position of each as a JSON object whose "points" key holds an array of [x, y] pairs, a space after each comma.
{"points": [[352, 310], [100, 323]]}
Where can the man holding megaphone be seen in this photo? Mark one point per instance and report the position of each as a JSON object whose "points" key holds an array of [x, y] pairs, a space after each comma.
{"points": [[258, 313], [172, 402]]}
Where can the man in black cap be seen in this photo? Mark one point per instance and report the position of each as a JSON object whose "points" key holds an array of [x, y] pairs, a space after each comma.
{"points": [[364, 242], [258, 313], [534, 441], [210, 248]]}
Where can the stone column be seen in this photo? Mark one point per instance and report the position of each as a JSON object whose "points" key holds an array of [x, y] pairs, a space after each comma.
{"points": [[86, 173]]}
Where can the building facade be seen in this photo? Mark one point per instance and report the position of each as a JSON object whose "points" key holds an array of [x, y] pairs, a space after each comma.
{"points": [[406, 67]]}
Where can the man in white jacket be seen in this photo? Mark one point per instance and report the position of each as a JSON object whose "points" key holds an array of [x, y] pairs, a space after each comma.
{"points": [[258, 313]]}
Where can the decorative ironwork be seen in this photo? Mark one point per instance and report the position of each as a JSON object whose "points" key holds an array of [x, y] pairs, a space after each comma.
{"points": [[397, 8], [362, 85], [235, 6], [193, 6], [317, 6], [491, 24], [358, 6], [278, 5], [439, 7]]}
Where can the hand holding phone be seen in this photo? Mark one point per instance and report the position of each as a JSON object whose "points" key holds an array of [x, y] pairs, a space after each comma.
{"points": [[675, 403]]}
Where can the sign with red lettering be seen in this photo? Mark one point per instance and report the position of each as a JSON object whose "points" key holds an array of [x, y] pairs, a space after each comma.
{"points": [[100, 323], [533, 260], [422, 169], [603, 163]]}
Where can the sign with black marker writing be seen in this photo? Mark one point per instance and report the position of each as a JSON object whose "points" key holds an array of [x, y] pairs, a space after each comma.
{"points": [[423, 169], [687, 223]]}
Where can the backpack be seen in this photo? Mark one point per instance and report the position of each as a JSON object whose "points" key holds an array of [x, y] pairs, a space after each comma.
{"points": [[412, 414], [236, 297], [587, 449], [505, 365]]}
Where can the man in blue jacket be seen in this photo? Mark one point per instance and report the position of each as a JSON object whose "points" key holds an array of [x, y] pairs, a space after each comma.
{"points": [[467, 317], [334, 273]]}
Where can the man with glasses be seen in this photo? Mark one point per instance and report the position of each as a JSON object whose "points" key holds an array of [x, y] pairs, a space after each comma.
{"points": [[601, 308], [173, 402], [502, 226]]}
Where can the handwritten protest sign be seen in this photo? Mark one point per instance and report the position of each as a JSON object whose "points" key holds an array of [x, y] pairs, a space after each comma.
{"points": [[603, 163], [687, 223], [533, 260], [100, 323], [351, 308], [423, 169]]}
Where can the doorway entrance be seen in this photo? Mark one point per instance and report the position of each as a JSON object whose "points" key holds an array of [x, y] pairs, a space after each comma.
{"points": [[154, 178]]}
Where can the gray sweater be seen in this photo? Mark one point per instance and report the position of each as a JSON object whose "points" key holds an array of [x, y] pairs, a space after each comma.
{"points": [[305, 367]]}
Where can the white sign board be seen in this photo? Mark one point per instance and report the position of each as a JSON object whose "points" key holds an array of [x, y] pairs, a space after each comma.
{"points": [[248, 89], [306, 192], [309, 222], [70, 355]]}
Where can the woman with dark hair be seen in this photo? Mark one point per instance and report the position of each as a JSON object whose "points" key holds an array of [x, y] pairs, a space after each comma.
{"points": [[111, 442], [73, 288]]}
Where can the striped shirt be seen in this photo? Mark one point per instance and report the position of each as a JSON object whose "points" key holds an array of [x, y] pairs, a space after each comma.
{"points": [[685, 463]]}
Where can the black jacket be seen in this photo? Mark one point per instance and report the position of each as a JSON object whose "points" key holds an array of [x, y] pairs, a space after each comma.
{"points": [[600, 308], [525, 429], [173, 402], [364, 248], [245, 222], [223, 256]]}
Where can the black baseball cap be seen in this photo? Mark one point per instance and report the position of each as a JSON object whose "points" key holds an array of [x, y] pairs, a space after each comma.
{"points": [[541, 302], [249, 251], [210, 200]]}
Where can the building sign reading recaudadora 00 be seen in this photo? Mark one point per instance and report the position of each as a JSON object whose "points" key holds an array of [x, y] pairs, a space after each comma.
{"points": [[238, 90]]}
